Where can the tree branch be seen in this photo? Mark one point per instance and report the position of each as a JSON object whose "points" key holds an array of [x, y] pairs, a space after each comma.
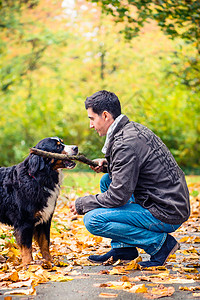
{"points": [[80, 158]]}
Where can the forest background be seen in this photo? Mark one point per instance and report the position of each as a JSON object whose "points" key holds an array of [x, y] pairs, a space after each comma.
{"points": [[53, 54]]}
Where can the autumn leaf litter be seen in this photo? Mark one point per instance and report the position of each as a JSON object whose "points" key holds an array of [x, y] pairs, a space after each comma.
{"points": [[71, 244]]}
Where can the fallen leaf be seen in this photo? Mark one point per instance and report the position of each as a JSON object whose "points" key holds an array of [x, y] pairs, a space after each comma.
{"points": [[184, 239], [113, 285], [118, 271], [34, 268], [71, 244], [196, 239], [107, 295], [189, 288], [104, 272], [159, 292], [2, 259], [125, 279], [196, 294], [14, 276], [60, 278], [20, 284], [117, 262], [27, 292], [13, 251], [133, 265], [139, 288], [190, 270], [109, 261]]}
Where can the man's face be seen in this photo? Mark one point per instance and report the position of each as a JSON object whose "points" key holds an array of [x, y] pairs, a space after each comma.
{"points": [[100, 123]]}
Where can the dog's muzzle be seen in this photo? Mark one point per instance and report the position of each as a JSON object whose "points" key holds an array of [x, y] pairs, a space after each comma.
{"points": [[70, 150]]}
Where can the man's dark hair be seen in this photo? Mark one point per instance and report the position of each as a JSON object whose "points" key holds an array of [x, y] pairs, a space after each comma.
{"points": [[103, 100]]}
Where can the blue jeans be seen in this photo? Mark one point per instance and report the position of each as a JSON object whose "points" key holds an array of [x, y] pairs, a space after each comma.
{"points": [[129, 225]]}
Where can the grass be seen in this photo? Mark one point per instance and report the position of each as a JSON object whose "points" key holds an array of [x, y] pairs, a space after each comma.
{"points": [[81, 181], [88, 182], [193, 178]]}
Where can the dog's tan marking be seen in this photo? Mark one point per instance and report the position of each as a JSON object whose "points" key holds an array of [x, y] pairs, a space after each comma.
{"points": [[44, 246], [26, 254], [58, 165]]}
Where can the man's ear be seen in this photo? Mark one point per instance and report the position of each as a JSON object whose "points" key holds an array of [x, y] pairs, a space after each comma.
{"points": [[106, 115]]}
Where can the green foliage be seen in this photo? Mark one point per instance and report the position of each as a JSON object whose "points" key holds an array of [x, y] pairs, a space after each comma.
{"points": [[48, 66], [178, 19]]}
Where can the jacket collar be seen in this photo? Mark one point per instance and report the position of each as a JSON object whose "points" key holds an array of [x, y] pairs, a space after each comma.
{"points": [[124, 120], [110, 132]]}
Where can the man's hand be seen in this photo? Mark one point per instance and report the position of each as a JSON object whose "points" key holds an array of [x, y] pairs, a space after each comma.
{"points": [[100, 162], [72, 208]]}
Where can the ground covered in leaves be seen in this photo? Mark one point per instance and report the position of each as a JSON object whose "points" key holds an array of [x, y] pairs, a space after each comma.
{"points": [[71, 244]]}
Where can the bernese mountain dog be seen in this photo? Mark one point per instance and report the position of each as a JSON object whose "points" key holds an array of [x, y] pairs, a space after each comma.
{"points": [[28, 195]]}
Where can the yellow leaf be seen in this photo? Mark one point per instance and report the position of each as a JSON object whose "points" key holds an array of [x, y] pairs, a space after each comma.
{"points": [[190, 270], [196, 294], [184, 239], [26, 292], [197, 239], [118, 271], [173, 256], [14, 276], [160, 292], [13, 251], [20, 284], [61, 264], [9, 276], [107, 295], [113, 285], [125, 279], [189, 288], [133, 264], [8, 298], [34, 268], [60, 278], [138, 288]]}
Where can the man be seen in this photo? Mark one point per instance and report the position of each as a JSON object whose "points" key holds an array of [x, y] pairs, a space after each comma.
{"points": [[144, 194]]}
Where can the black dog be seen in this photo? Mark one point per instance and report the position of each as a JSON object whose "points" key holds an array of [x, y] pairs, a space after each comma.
{"points": [[28, 195]]}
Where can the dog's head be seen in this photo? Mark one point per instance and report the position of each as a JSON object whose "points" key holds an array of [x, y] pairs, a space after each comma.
{"points": [[54, 145]]}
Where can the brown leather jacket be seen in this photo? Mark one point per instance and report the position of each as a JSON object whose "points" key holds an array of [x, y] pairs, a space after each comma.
{"points": [[139, 163]]}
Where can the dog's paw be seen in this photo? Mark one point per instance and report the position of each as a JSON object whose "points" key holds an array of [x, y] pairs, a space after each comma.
{"points": [[46, 264]]}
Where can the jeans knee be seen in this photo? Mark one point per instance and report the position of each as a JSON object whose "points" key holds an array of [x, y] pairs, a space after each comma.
{"points": [[88, 223], [105, 182], [91, 223]]}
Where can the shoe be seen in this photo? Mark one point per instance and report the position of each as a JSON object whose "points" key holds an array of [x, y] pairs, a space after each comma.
{"points": [[126, 253], [159, 259]]}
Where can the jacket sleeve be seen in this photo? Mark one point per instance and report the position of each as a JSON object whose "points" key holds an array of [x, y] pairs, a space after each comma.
{"points": [[125, 170]]}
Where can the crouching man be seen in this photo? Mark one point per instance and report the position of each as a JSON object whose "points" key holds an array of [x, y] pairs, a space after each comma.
{"points": [[144, 195]]}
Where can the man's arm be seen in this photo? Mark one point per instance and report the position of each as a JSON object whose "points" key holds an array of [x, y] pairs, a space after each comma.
{"points": [[125, 172], [102, 164]]}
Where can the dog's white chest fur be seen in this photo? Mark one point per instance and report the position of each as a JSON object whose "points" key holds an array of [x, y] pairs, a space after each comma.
{"points": [[48, 210]]}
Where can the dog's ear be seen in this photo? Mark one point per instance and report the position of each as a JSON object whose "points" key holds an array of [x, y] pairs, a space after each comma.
{"points": [[36, 163]]}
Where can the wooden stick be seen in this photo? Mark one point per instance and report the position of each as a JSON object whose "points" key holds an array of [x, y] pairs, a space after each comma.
{"points": [[80, 158]]}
